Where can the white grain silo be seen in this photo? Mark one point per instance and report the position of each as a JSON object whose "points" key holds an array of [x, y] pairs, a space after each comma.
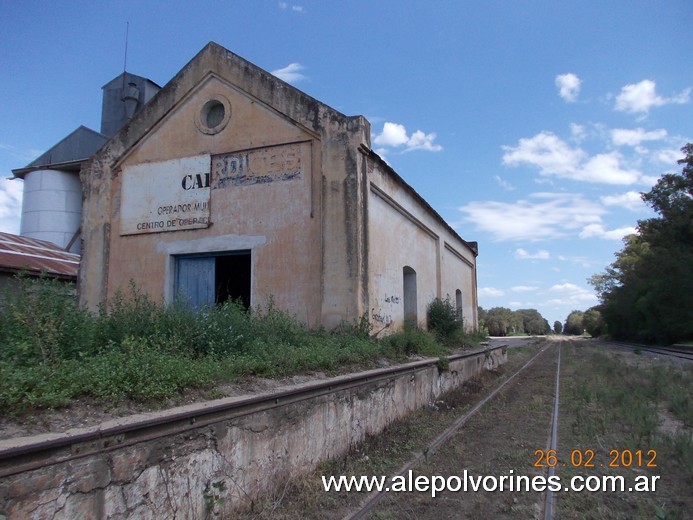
{"points": [[52, 203]]}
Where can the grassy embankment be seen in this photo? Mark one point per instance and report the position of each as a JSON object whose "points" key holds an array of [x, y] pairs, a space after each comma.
{"points": [[633, 416], [52, 351]]}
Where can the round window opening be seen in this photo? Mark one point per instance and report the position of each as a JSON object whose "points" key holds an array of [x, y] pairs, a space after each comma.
{"points": [[215, 112], [214, 115]]}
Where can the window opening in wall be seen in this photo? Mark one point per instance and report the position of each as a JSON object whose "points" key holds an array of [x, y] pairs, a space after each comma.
{"points": [[458, 304], [206, 280], [409, 292]]}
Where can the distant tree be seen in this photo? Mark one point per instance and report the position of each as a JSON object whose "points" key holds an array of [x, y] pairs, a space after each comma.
{"points": [[573, 324], [533, 322], [593, 322], [501, 321], [481, 313], [557, 327], [646, 292]]}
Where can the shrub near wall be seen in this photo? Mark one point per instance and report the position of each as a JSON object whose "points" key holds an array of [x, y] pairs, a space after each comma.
{"points": [[51, 351]]}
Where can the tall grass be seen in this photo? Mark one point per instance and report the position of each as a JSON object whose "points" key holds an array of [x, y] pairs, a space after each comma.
{"points": [[52, 351]]}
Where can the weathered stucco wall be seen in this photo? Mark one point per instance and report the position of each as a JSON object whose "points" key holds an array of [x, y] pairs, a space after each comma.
{"points": [[328, 243], [403, 231], [307, 233], [210, 470]]}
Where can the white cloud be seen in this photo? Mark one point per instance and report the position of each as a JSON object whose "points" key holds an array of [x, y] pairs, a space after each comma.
{"points": [[668, 156], [581, 260], [545, 151], [555, 157], [572, 295], [627, 137], [295, 8], [392, 135], [606, 168], [631, 200], [577, 132], [522, 254], [639, 98], [524, 288], [490, 291], [503, 183], [599, 231], [546, 215], [10, 205], [291, 73], [568, 87], [395, 135]]}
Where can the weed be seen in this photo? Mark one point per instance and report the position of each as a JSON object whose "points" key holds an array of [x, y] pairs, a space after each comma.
{"points": [[51, 351]]}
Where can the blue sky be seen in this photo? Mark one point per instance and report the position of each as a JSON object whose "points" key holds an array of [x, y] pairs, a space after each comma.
{"points": [[530, 126]]}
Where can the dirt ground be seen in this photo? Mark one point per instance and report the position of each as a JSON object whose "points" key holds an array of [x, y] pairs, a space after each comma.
{"points": [[501, 439]]}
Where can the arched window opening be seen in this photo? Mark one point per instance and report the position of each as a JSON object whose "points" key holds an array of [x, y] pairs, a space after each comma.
{"points": [[409, 291], [458, 304]]}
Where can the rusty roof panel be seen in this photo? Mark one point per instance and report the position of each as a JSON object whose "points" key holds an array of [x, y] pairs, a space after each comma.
{"points": [[19, 253]]}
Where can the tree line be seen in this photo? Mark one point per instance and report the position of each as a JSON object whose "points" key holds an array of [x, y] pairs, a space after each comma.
{"points": [[500, 321], [646, 294]]}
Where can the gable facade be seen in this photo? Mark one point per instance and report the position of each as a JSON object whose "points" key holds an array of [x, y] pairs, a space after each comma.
{"points": [[230, 183]]}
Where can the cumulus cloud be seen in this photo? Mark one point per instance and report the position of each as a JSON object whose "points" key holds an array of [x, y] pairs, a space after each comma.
{"points": [[10, 205], [631, 200], [490, 291], [669, 156], [639, 98], [395, 135], [568, 87], [291, 73], [556, 158], [628, 137], [543, 216], [572, 295], [522, 254], [599, 231]]}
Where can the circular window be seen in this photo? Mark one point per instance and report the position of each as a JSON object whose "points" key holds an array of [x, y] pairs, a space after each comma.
{"points": [[214, 115]]}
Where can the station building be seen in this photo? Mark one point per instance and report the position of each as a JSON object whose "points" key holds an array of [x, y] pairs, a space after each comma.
{"points": [[230, 183]]}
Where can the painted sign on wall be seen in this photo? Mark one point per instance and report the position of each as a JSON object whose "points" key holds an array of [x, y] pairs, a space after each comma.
{"points": [[165, 196], [259, 166]]}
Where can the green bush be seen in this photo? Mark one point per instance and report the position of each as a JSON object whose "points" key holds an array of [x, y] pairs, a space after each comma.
{"points": [[443, 319], [52, 351]]}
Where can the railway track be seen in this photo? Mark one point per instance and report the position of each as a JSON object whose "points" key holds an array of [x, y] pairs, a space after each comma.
{"points": [[679, 352], [377, 502]]}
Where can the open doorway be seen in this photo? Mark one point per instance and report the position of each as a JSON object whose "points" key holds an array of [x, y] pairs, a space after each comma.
{"points": [[209, 279]]}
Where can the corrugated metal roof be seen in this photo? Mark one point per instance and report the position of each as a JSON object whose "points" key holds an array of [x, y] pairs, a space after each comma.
{"points": [[19, 253]]}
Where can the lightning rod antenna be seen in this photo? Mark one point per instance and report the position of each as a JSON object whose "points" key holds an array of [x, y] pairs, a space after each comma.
{"points": [[125, 59]]}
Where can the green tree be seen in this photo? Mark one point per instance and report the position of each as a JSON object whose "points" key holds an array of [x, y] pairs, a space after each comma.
{"points": [[593, 322], [501, 321], [646, 292], [573, 323], [533, 322], [557, 327]]}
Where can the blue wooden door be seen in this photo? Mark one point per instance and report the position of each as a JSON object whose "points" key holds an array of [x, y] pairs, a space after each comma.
{"points": [[195, 280]]}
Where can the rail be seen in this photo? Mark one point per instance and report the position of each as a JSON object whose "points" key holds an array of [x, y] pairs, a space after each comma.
{"points": [[28, 453]]}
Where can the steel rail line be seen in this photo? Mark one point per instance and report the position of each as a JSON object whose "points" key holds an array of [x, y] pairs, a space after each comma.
{"points": [[30, 453], [553, 437], [375, 497], [673, 351]]}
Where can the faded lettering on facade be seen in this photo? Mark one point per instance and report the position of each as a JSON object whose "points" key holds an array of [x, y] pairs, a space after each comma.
{"points": [[165, 196], [260, 166]]}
